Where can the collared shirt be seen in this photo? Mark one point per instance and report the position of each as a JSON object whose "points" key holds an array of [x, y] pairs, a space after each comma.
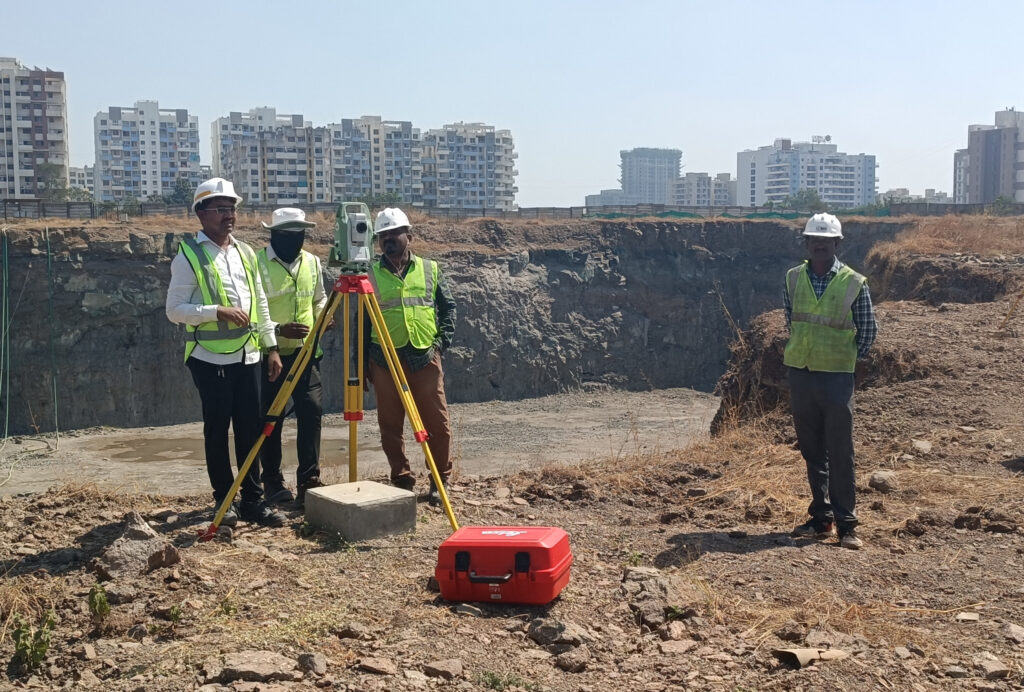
{"points": [[319, 294], [444, 306], [863, 311], [184, 299]]}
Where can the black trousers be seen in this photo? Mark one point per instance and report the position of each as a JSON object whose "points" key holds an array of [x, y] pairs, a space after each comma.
{"points": [[307, 397], [822, 404], [230, 396]]}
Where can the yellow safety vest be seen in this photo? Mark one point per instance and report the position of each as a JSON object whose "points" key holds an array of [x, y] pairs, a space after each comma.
{"points": [[407, 304], [822, 335], [290, 297], [219, 336]]}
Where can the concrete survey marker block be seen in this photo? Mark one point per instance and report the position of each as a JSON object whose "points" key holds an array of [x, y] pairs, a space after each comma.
{"points": [[361, 510]]}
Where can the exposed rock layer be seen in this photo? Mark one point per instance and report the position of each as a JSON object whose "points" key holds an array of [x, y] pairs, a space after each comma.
{"points": [[542, 308]]}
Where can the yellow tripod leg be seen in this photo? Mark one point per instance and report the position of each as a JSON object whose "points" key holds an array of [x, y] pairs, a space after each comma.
{"points": [[402, 385], [291, 379]]}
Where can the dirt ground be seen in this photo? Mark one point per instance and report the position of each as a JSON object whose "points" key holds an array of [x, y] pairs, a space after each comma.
{"points": [[685, 576], [488, 439]]}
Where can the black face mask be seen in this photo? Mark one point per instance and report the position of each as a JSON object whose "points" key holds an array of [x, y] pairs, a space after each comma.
{"points": [[287, 244]]}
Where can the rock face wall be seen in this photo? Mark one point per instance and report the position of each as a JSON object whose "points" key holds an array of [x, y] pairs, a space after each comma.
{"points": [[541, 308]]}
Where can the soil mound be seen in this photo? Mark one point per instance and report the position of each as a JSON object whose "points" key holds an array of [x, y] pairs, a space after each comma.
{"points": [[937, 280], [755, 385]]}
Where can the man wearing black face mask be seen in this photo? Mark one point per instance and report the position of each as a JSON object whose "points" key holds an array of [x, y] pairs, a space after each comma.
{"points": [[292, 281]]}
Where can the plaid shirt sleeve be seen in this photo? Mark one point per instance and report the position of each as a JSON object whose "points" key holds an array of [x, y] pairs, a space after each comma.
{"points": [[864, 321], [788, 304], [444, 305]]}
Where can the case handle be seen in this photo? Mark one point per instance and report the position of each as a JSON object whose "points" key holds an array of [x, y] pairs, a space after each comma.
{"points": [[522, 560], [479, 579]]}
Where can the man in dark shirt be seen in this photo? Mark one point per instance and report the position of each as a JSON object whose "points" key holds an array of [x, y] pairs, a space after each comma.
{"points": [[419, 313]]}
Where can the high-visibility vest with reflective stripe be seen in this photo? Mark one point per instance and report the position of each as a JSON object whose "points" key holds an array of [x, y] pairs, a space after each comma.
{"points": [[219, 336], [822, 335], [407, 304], [290, 297]]}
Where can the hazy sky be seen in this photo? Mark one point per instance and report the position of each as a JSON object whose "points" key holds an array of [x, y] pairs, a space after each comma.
{"points": [[575, 82]]}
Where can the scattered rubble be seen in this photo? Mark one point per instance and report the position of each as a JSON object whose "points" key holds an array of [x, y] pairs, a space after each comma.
{"points": [[685, 575]]}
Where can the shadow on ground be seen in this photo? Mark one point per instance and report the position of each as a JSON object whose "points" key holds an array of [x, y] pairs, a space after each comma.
{"points": [[687, 547]]}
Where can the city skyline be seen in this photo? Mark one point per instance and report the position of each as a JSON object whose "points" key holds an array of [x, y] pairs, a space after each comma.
{"points": [[574, 82]]}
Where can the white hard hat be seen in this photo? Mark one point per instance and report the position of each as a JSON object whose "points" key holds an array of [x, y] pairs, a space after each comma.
{"points": [[214, 187], [288, 219], [823, 226], [391, 217]]}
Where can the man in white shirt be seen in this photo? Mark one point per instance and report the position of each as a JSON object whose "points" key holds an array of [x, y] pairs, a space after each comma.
{"points": [[215, 291]]}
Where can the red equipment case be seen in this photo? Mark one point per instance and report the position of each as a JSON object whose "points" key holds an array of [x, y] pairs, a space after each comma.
{"points": [[511, 564]]}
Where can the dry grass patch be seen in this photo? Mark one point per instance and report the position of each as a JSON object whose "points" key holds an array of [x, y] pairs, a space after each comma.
{"points": [[29, 598], [125, 498], [156, 223], [756, 464], [936, 486], [245, 222], [755, 468], [944, 235], [822, 607]]}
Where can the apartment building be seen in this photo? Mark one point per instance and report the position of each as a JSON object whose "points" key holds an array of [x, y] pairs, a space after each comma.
{"points": [[723, 190], [701, 190], [933, 196], [142, 150], [609, 198], [692, 190], [280, 164], [33, 130], [372, 156], [236, 125], [469, 166], [992, 165], [773, 173], [902, 194], [81, 177], [961, 175], [649, 175], [275, 158]]}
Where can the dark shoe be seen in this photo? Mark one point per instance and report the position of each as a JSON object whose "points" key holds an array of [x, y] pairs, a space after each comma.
{"points": [[260, 513], [277, 494], [848, 539], [303, 487], [404, 482], [230, 517], [434, 497], [814, 529]]}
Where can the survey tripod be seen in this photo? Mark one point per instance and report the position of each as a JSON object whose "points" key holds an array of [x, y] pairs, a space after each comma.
{"points": [[353, 238]]}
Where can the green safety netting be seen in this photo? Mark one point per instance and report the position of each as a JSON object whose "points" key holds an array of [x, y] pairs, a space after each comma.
{"points": [[660, 215], [764, 215], [787, 215], [691, 215]]}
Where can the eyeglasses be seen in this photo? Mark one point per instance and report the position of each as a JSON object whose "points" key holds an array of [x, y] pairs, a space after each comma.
{"points": [[223, 211]]}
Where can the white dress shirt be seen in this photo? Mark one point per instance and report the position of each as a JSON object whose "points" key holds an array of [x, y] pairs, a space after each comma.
{"points": [[185, 299], [319, 294]]}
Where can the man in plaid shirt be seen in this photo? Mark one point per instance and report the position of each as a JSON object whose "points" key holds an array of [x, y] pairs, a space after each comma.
{"points": [[832, 324]]}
